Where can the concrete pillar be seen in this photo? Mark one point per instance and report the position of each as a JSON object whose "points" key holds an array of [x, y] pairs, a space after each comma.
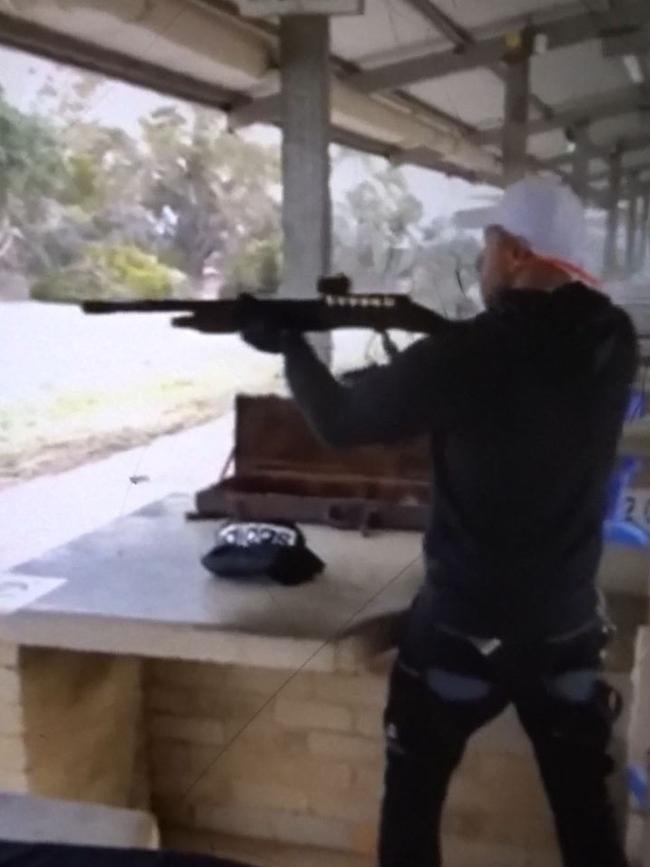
{"points": [[580, 171], [517, 103], [304, 42], [610, 262], [644, 230], [632, 233]]}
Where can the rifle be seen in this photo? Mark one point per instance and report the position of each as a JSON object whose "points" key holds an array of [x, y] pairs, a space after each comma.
{"points": [[335, 308]]}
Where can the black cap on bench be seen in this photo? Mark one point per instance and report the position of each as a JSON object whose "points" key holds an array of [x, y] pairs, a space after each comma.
{"points": [[253, 549]]}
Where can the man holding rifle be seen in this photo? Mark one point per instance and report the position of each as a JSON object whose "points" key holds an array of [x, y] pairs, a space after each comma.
{"points": [[524, 406]]}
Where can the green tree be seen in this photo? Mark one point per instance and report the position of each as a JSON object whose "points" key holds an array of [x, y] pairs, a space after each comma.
{"points": [[104, 167], [256, 267], [110, 271], [32, 172], [445, 270], [218, 193], [31, 161], [186, 192], [376, 230]]}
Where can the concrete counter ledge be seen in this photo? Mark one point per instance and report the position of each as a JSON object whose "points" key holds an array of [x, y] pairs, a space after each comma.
{"points": [[137, 587]]}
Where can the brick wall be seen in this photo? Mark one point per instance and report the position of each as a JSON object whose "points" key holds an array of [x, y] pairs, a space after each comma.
{"points": [[639, 749], [13, 764], [255, 753], [305, 766], [238, 752]]}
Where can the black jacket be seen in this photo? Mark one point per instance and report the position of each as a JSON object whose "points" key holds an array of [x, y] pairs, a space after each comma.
{"points": [[524, 405]]}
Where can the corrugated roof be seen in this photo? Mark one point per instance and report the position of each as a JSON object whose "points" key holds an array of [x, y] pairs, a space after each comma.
{"points": [[384, 26], [477, 14], [577, 72], [474, 97], [421, 79]]}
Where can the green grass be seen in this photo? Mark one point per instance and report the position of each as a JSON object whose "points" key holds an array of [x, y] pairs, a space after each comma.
{"points": [[71, 427]]}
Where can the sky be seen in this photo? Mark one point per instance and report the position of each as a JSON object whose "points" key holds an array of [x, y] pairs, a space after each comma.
{"points": [[121, 105]]}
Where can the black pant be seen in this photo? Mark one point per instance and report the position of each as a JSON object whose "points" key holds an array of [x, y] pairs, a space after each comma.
{"points": [[54, 855], [566, 710]]}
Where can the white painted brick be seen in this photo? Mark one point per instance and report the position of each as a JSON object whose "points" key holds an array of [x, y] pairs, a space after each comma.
{"points": [[362, 690], [504, 734], [639, 726], [12, 754], [274, 825], [176, 757], [11, 719], [301, 771], [202, 703], [471, 853], [242, 821], [300, 686], [369, 781], [183, 673], [312, 831], [312, 715], [10, 692], [230, 678], [8, 655], [262, 852], [261, 681], [346, 747], [192, 730], [351, 657], [366, 690], [286, 654], [13, 781], [349, 806], [369, 723], [269, 795]]}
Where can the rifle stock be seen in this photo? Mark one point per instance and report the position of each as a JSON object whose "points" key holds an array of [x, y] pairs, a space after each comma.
{"points": [[329, 312]]}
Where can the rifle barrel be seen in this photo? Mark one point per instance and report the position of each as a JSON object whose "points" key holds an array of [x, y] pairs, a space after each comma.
{"points": [[379, 312]]}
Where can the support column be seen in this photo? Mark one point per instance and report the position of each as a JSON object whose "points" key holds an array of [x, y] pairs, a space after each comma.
{"points": [[643, 232], [304, 47], [517, 103], [632, 235], [610, 263], [580, 173]]}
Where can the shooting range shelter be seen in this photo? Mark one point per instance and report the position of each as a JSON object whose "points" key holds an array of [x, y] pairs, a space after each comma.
{"points": [[154, 679], [484, 91]]}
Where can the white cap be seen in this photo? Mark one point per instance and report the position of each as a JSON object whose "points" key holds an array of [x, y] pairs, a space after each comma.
{"points": [[550, 218]]}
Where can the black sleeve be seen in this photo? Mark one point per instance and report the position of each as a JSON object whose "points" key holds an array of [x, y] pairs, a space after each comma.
{"points": [[618, 355], [411, 395], [631, 355]]}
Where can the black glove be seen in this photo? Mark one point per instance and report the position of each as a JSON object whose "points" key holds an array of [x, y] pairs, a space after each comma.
{"points": [[269, 338]]}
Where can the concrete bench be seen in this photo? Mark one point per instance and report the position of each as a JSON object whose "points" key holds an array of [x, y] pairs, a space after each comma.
{"points": [[26, 818]]}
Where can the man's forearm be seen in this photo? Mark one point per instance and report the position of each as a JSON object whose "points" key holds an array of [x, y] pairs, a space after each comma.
{"points": [[318, 394], [386, 404]]}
